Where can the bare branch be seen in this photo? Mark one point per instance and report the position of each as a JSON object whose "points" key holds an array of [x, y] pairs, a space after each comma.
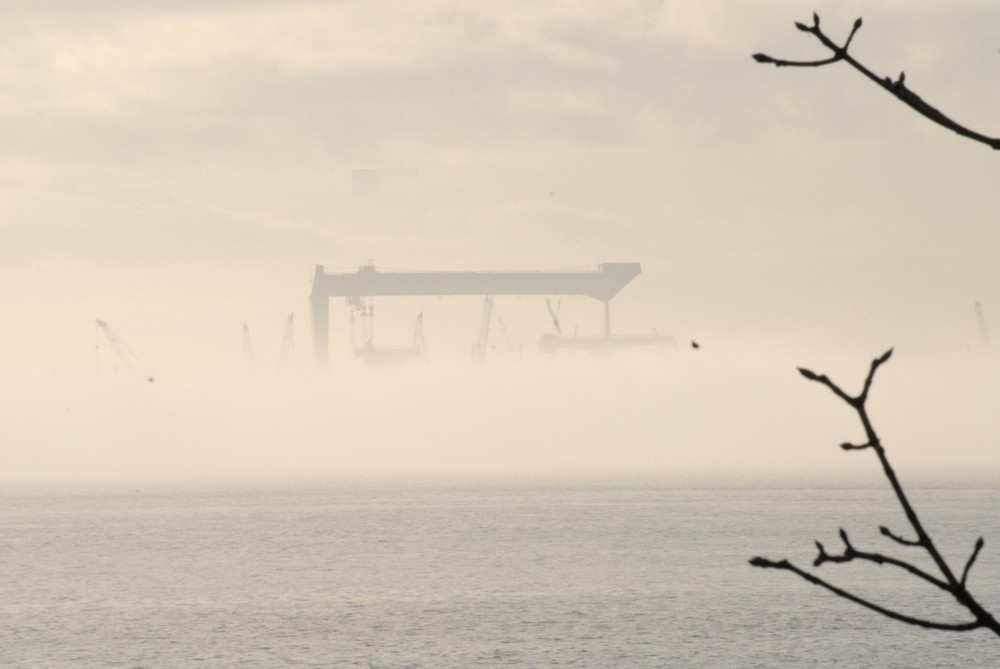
{"points": [[898, 539], [815, 580], [854, 30], [764, 58], [854, 447], [822, 378], [812, 376], [876, 363], [972, 558], [945, 581], [850, 553], [897, 88]]}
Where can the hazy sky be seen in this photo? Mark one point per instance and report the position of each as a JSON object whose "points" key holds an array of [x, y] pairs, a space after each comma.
{"points": [[177, 168]]}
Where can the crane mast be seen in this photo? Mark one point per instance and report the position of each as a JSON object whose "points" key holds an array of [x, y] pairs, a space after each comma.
{"points": [[286, 342], [419, 346], [479, 351], [984, 333], [247, 346]]}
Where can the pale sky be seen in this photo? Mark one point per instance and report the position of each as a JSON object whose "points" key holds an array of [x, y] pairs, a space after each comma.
{"points": [[177, 168]]}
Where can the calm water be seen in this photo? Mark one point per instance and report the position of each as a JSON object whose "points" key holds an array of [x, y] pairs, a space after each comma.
{"points": [[491, 577]]}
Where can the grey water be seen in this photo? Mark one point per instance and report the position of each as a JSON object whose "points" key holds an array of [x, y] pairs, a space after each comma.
{"points": [[493, 576]]}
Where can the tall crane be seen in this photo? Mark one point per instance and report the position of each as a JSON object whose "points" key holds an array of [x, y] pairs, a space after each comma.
{"points": [[506, 336], [286, 342], [479, 350], [247, 346], [419, 346], [128, 358], [984, 333]]}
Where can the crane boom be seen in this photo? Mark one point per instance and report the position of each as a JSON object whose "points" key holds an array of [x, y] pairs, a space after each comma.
{"points": [[128, 358]]}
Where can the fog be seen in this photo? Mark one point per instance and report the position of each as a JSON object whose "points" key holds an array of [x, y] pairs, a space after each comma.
{"points": [[717, 415], [178, 170]]}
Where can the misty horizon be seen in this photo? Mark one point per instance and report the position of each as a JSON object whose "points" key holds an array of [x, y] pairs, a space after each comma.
{"points": [[178, 171]]}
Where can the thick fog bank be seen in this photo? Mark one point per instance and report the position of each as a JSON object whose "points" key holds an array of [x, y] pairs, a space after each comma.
{"points": [[710, 416]]}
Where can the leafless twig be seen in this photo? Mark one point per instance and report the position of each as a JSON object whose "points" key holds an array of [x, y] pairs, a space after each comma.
{"points": [[946, 581], [897, 88]]}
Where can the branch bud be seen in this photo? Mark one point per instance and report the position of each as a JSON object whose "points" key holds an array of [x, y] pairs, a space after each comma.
{"points": [[821, 555], [854, 447]]}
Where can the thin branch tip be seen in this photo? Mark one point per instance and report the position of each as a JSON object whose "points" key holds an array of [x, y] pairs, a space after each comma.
{"points": [[972, 558], [764, 563], [812, 376], [886, 532], [855, 447], [881, 360]]}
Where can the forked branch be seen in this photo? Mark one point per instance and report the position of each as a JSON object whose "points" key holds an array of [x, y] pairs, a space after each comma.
{"points": [[896, 88], [945, 580], [851, 553], [840, 592]]}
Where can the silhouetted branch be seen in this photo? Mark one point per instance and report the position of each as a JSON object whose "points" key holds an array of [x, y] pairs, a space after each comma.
{"points": [[946, 581], [897, 88], [851, 553], [899, 540], [876, 363], [854, 447], [972, 558], [840, 592], [812, 376]]}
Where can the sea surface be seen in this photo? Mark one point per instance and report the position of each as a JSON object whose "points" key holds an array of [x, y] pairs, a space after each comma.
{"points": [[494, 576]]}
